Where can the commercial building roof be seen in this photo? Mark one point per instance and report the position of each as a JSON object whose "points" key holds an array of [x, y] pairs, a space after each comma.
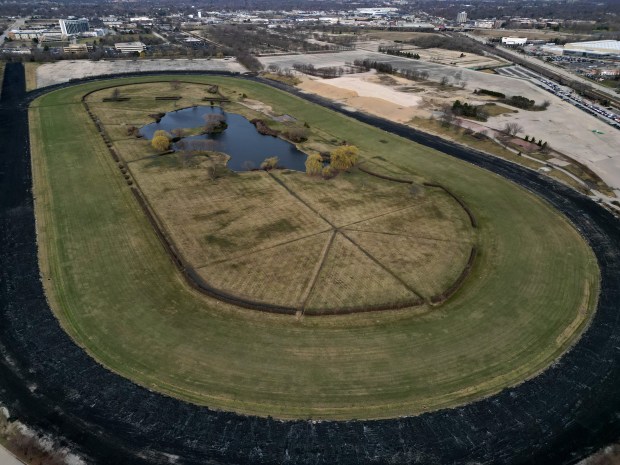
{"points": [[612, 46]]}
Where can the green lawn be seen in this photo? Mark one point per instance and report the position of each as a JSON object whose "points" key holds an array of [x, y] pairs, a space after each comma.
{"points": [[117, 293]]}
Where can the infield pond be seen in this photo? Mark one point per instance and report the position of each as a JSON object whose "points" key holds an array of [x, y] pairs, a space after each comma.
{"points": [[246, 146]]}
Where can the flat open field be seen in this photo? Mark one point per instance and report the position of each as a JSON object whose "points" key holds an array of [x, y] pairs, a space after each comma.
{"points": [[256, 235], [114, 289]]}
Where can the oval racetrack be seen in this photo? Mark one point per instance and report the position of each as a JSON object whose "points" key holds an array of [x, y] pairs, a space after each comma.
{"points": [[49, 382]]}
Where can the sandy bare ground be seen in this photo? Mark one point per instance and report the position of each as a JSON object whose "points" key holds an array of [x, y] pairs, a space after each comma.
{"points": [[363, 92], [63, 71]]}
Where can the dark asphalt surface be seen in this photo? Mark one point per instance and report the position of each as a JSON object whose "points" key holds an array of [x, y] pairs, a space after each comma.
{"points": [[48, 382]]}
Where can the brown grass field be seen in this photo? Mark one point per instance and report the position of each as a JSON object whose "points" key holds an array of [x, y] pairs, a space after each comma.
{"points": [[255, 234]]}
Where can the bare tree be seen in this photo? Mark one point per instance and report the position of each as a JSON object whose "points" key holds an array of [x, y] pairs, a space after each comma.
{"points": [[512, 129], [447, 117], [214, 122]]}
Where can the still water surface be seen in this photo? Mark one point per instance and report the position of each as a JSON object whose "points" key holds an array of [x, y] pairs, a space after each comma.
{"points": [[245, 145]]}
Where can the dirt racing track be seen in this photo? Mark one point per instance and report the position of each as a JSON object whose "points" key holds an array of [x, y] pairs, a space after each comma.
{"points": [[50, 383]]}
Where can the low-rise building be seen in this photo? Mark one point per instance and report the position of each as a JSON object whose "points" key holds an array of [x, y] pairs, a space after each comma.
{"points": [[514, 41], [24, 34], [77, 48], [130, 47]]}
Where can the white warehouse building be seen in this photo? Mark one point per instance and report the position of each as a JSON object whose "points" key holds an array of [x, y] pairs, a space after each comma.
{"points": [[595, 47]]}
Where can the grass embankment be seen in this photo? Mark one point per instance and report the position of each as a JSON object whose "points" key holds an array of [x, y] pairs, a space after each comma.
{"points": [[116, 292], [31, 75]]}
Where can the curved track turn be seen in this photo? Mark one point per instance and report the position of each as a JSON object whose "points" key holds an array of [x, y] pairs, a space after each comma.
{"points": [[49, 382]]}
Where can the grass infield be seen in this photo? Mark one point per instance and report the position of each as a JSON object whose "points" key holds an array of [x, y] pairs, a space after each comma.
{"points": [[532, 290]]}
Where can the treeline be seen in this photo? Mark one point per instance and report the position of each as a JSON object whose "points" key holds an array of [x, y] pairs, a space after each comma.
{"points": [[491, 93], [328, 72], [346, 40], [260, 40], [146, 39], [517, 101], [458, 44], [397, 52], [411, 74]]}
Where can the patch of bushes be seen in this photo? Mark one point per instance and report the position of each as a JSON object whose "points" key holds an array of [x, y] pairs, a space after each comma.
{"points": [[297, 135], [262, 128], [490, 93], [525, 103], [157, 116], [469, 111], [269, 163]]}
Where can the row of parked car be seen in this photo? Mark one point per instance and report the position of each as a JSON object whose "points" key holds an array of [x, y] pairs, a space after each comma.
{"points": [[608, 116]]}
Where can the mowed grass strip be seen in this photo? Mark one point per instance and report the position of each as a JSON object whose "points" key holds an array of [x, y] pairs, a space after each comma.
{"points": [[116, 292]]}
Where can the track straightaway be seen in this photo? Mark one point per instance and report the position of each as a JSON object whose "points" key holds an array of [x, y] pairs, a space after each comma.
{"points": [[50, 383]]}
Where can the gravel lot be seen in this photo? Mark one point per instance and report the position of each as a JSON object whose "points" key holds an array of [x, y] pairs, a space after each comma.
{"points": [[63, 71]]}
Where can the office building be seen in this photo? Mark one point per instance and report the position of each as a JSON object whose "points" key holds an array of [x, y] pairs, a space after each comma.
{"points": [[73, 26]]}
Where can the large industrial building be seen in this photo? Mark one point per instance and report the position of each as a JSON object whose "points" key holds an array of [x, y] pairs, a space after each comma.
{"points": [[593, 48], [73, 26]]}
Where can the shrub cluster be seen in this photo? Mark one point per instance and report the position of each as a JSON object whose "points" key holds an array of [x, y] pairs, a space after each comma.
{"points": [[491, 93], [469, 111]]}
